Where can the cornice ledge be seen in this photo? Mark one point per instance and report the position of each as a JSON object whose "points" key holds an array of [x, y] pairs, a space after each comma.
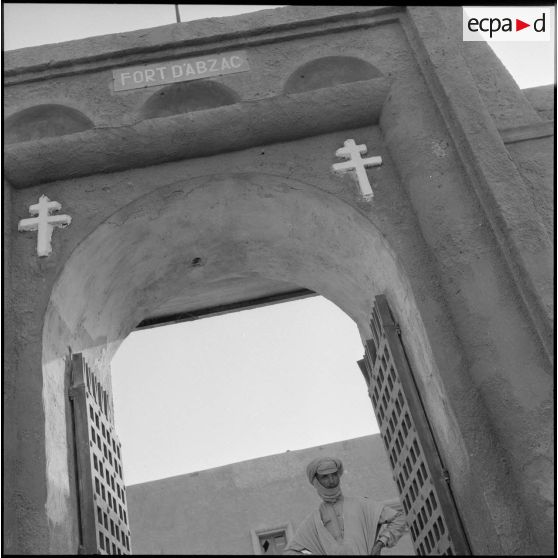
{"points": [[117, 49], [197, 134], [527, 132]]}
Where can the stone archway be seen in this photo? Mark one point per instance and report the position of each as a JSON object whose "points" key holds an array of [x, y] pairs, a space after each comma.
{"points": [[196, 235]]}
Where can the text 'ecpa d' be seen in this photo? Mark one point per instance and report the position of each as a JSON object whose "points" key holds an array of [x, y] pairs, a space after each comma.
{"points": [[186, 69]]}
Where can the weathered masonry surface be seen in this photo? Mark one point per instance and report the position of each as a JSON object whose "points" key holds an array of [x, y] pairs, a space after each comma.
{"points": [[211, 191]]}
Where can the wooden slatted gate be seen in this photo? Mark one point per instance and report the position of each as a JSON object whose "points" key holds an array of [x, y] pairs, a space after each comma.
{"points": [[421, 478], [103, 521]]}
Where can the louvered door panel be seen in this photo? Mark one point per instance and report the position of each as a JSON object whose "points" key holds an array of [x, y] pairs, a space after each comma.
{"points": [[422, 480], [104, 527]]}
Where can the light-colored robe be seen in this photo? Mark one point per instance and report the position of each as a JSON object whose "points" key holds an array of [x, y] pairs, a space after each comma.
{"points": [[360, 517]]}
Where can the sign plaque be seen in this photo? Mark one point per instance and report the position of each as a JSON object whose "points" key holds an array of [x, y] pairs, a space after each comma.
{"points": [[186, 69]]}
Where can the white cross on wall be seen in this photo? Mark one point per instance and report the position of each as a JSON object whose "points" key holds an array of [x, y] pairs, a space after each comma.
{"points": [[356, 165], [44, 223]]}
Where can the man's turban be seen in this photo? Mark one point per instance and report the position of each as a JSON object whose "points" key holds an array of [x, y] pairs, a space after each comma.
{"points": [[323, 466]]}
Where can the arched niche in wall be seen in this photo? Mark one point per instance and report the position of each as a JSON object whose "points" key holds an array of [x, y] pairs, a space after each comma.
{"points": [[329, 71], [188, 97], [44, 121]]}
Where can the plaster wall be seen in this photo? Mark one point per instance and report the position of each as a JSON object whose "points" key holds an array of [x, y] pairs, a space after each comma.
{"points": [[448, 238], [504, 101], [213, 511], [271, 65], [535, 162], [543, 100]]}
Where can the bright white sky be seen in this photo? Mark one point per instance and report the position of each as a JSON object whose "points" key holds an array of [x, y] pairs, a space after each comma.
{"points": [[215, 391], [247, 384]]}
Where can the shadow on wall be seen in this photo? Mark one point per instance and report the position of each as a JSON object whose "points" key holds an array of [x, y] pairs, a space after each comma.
{"points": [[330, 71], [44, 121], [188, 97], [51, 120], [193, 96]]}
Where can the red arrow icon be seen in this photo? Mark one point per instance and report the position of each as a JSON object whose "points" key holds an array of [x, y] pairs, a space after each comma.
{"points": [[519, 25]]}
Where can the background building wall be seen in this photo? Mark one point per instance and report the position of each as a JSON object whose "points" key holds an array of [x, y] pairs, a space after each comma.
{"points": [[213, 511]]}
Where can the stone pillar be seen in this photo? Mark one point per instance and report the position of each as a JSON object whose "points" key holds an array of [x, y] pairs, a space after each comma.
{"points": [[468, 196]]}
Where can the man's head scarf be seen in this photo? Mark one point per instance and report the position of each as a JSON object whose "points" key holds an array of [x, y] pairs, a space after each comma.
{"points": [[324, 466]]}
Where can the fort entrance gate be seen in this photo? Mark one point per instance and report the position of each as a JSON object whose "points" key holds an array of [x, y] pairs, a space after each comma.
{"points": [[191, 166]]}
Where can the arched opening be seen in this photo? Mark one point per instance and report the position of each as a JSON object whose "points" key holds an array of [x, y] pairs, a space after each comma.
{"points": [[189, 96], [44, 121], [185, 241], [275, 366], [253, 394], [329, 71]]}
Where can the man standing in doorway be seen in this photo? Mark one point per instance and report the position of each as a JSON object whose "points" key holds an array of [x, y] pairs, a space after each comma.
{"points": [[342, 524]]}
